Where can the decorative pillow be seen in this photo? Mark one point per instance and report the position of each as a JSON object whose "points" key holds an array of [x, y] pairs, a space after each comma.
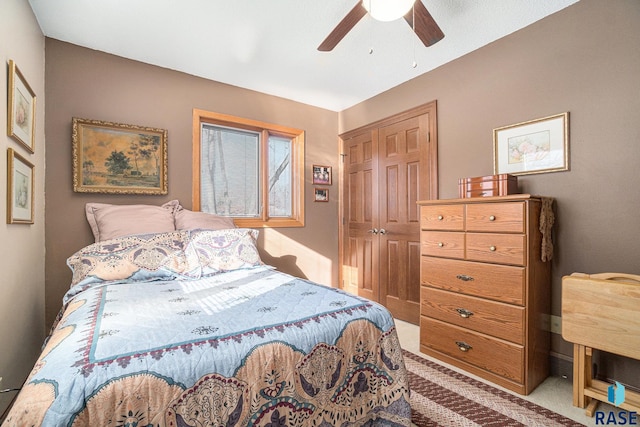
{"points": [[112, 221], [134, 259], [190, 220], [225, 250]]}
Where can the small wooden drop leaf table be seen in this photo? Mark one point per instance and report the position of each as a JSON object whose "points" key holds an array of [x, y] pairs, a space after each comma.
{"points": [[600, 312]]}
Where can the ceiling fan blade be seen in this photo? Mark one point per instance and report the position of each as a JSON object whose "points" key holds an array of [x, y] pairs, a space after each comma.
{"points": [[425, 27], [341, 30]]}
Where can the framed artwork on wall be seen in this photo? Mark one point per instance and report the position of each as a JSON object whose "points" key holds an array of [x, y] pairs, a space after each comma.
{"points": [[20, 185], [21, 116], [118, 158], [321, 175], [321, 194], [535, 146]]}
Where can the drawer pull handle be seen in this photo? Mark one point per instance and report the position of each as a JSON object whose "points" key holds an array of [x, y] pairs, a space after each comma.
{"points": [[492, 248], [492, 218], [440, 244], [464, 277], [464, 313], [463, 346], [440, 217]]}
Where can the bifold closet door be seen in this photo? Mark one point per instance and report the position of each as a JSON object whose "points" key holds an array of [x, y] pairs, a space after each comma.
{"points": [[386, 170], [402, 151], [360, 254]]}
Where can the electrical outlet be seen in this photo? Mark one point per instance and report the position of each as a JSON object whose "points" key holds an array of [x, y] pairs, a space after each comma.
{"points": [[555, 324]]}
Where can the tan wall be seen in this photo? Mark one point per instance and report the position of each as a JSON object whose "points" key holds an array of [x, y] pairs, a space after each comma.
{"points": [[584, 60], [89, 84], [22, 249]]}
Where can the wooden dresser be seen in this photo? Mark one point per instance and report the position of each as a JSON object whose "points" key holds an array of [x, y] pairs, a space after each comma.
{"points": [[485, 292]]}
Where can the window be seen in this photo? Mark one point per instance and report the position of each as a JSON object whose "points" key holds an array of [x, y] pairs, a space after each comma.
{"points": [[249, 170]]}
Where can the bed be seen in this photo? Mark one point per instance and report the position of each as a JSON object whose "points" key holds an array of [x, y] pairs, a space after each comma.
{"points": [[190, 328]]}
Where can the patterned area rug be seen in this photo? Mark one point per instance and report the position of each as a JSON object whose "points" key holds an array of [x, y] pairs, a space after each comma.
{"points": [[443, 397]]}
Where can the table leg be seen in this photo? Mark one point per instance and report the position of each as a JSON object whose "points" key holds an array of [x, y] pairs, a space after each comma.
{"points": [[581, 370]]}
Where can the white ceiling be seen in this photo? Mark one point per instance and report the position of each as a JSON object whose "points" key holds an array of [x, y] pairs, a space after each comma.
{"points": [[271, 45]]}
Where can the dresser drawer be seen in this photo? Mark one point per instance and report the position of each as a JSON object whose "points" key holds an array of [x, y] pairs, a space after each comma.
{"points": [[490, 317], [496, 217], [443, 244], [445, 217], [497, 282], [492, 354], [497, 248]]}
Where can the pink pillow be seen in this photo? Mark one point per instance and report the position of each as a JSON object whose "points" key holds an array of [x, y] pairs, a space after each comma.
{"points": [[190, 220], [112, 221]]}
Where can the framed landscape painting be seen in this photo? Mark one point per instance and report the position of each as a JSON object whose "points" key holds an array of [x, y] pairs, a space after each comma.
{"points": [[118, 158]]}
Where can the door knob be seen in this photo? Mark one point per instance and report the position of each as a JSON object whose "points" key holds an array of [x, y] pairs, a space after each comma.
{"points": [[383, 231], [373, 230]]}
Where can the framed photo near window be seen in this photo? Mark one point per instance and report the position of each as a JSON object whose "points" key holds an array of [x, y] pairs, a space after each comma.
{"points": [[321, 175], [20, 184], [535, 146], [118, 158], [321, 194], [21, 116]]}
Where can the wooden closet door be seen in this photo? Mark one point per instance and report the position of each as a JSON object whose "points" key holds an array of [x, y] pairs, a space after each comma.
{"points": [[360, 246], [402, 167], [387, 167]]}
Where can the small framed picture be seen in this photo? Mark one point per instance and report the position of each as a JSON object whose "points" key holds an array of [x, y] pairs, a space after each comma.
{"points": [[536, 146], [22, 109], [20, 184], [321, 194], [321, 175]]}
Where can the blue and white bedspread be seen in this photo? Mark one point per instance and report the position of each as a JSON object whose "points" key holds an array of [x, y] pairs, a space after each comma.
{"points": [[242, 347]]}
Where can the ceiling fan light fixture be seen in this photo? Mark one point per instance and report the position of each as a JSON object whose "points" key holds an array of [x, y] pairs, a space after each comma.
{"points": [[387, 10]]}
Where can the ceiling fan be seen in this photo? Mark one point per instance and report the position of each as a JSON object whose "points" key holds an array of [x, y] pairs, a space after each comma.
{"points": [[424, 26]]}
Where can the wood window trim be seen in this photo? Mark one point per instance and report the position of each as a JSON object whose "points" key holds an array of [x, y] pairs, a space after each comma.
{"points": [[265, 129]]}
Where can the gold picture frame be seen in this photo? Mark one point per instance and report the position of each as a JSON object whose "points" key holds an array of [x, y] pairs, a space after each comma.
{"points": [[21, 109], [535, 146], [20, 186], [118, 158]]}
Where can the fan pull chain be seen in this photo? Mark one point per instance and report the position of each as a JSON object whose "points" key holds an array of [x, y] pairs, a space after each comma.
{"points": [[413, 24], [414, 64], [370, 35]]}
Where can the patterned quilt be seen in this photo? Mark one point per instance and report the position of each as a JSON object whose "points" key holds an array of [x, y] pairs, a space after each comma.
{"points": [[177, 341]]}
